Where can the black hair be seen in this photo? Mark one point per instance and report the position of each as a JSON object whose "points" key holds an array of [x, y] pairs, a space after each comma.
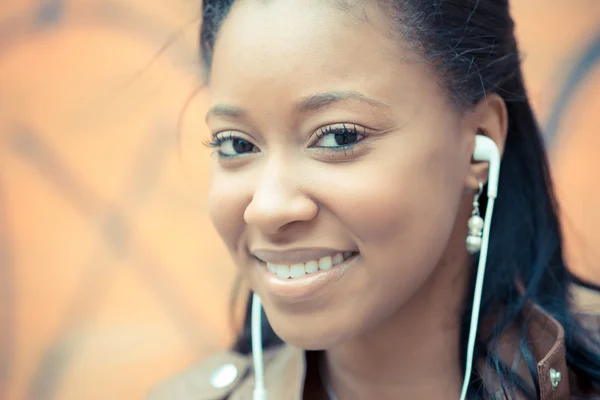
{"points": [[472, 46]]}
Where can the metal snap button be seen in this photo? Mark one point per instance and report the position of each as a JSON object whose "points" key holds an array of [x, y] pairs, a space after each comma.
{"points": [[555, 377], [224, 376]]}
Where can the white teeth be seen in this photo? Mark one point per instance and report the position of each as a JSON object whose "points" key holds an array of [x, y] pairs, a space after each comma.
{"points": [[338, 258], [283, 271], [299, 270], [325, 263], [311, 267]]}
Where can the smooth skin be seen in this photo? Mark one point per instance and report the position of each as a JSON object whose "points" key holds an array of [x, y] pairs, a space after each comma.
{"points": [[292, 80]]}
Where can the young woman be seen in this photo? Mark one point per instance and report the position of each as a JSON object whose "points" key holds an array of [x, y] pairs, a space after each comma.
{"points": [[344, 183]]}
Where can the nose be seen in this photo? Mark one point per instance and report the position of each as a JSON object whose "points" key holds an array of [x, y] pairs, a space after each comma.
{"points": [[278, 199]]}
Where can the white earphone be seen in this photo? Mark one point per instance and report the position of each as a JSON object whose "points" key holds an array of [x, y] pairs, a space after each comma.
{"points": [[485, 151]]}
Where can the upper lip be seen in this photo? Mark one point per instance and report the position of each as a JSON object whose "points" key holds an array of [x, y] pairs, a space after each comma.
{"points": [[294, 256]]}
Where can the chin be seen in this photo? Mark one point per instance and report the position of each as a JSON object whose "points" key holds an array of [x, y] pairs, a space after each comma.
{"points": [[309, 337]]}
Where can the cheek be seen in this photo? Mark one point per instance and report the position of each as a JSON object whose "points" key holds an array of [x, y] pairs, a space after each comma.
{"points": [[399, 204], [403, 215], [227, 201]]}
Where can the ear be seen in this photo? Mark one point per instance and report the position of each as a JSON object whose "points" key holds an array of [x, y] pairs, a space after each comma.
{"points": [[489, 117]]}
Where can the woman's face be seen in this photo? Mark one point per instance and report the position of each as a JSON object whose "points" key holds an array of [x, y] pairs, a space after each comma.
{"points": [[334, 138]]}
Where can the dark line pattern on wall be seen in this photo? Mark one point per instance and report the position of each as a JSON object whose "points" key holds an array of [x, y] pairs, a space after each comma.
{"points": [[583, 67], [118, 237], [50, 12], [119, 240]]}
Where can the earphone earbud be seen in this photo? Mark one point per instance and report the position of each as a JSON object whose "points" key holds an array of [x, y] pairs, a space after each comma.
{"points": [[486, 151]]}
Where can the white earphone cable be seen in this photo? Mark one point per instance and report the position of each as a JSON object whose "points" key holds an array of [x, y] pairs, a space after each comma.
{"points": [[477, 296], [260, 392]]}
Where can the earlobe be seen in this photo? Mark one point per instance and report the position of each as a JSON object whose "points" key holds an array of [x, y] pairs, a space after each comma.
{"points": [[478, 174], [490, 119]]}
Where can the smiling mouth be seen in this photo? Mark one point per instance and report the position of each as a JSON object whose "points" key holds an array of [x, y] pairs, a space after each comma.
{"points": [[299, 270]]}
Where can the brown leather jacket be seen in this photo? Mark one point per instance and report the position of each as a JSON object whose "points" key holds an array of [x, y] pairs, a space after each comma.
{"points": [[228, 375]]}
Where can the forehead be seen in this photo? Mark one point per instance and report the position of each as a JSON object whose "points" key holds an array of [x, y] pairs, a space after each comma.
{"points": [[270, 54], [295, 21], [306, 41], [304, 36]]}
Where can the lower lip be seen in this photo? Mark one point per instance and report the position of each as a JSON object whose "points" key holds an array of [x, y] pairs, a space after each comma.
{"points": [[307, 286]]}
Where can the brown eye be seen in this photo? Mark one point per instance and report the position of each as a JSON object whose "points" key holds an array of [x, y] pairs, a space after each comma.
{"points": [[230, 145], [241, 146], [343, 136]]}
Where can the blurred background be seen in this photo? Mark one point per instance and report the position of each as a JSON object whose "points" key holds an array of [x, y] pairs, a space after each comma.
{"points": [[111, 276]]}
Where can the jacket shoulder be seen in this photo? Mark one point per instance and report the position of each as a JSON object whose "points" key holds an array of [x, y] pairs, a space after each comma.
{"points": [[586, 306], [214, 378], [224, 375]]}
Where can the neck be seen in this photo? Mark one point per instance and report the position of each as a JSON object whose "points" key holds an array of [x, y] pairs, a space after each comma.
{"points": [[415, 354]]}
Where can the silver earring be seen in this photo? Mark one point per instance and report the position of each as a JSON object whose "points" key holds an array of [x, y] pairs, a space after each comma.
{"points": [[474, 238]]}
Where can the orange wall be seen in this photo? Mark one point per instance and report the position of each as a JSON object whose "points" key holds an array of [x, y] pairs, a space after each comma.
{"points": [[111, 277]]}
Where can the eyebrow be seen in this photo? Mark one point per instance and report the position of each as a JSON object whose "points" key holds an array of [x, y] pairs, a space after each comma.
{"points": [[322, 100], [310, 103], [224, 110]]}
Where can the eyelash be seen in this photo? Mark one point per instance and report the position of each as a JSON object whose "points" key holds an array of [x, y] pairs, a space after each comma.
{"points": [[216, 141]]}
